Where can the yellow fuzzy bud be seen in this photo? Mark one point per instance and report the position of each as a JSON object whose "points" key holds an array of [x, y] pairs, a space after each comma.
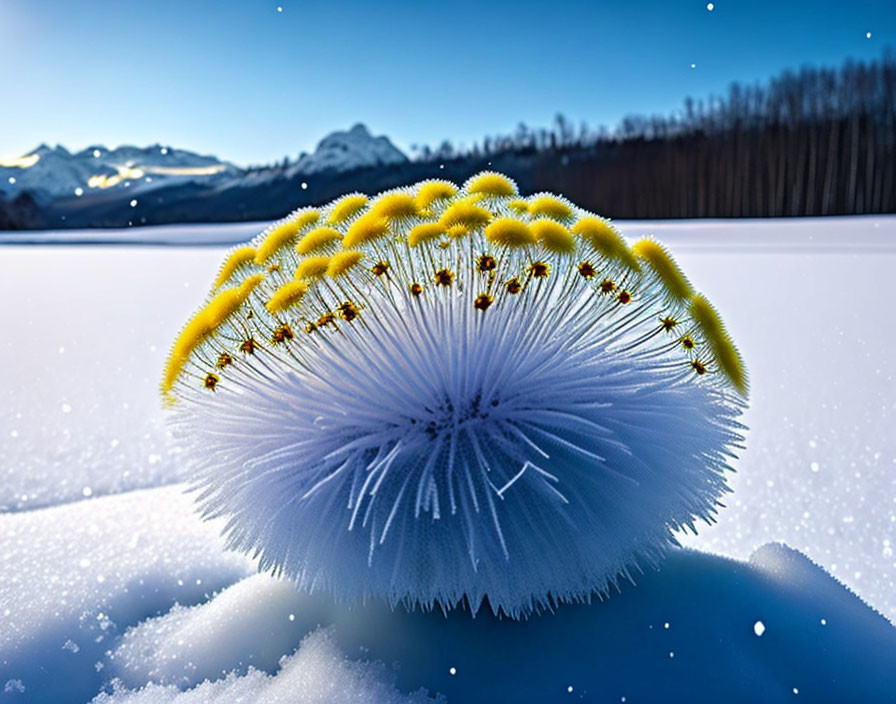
{"points": [[518, 205], [283, 234], [226, 303], [553, 236], [286, 296], [658, 259], [342, 262], [394, 205], [425, 232], [317, 239], [723, 349], [492, 184], [237, 258], [606, 240], [346, 207], [312, 268], [508, 232], [465, 213], [550, 207], [203, 324], [431, 191], [365, 229], [189, 339]]}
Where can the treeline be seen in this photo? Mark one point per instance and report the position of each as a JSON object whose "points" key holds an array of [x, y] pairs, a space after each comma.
{"points": [[20, 213], [813, 142], [817, 141]]}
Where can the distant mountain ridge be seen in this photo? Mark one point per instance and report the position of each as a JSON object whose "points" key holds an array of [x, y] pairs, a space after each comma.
{"points": [[54, 174]]}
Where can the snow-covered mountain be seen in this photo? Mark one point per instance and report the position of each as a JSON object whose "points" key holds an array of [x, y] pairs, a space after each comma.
{"points": [[351, 149], [52, 173]]}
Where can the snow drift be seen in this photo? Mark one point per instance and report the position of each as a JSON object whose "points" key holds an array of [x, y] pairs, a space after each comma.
{"points": [[687, 632]]}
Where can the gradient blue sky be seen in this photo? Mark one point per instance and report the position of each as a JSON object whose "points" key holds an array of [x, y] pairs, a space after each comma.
{"points": [[251, 84]]}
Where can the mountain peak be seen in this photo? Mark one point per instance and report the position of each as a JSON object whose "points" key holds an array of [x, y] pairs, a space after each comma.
{"points": [[345, 150]]}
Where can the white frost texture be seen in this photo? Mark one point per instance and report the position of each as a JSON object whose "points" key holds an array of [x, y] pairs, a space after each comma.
{"points": [[318, 673], [527, 457]]}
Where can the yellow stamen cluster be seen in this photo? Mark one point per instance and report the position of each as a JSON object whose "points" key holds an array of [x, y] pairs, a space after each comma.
{"points": [[665, 268], [346, 207], [312, 268], [239, 257], [366, 229], [283, 234], [424, 232], [204, 324], [429, 242], [465, 213], [432, 191], [553, 236], [605, 239], [394, 205], [551, 207], [288, 295], [508, 232], [342, 262], [723, 349], [492, 184], [317, 240]]}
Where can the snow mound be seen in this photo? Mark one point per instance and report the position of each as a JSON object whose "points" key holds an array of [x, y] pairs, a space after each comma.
{"points": [[704, 627], [134, 595], [191, 644], [318, 673], [75, 577]]}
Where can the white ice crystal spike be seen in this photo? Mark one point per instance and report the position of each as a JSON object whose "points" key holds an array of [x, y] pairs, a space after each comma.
{"points": [[476, 410]]}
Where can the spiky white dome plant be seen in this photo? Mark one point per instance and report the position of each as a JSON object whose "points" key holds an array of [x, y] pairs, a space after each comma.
{"points": [[442, 395]]}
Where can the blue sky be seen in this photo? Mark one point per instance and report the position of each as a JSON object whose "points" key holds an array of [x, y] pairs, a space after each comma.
{"points": [[251, 84]]}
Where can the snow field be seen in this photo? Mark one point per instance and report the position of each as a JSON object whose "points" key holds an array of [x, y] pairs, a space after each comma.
{"points": [[121, 593]]}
